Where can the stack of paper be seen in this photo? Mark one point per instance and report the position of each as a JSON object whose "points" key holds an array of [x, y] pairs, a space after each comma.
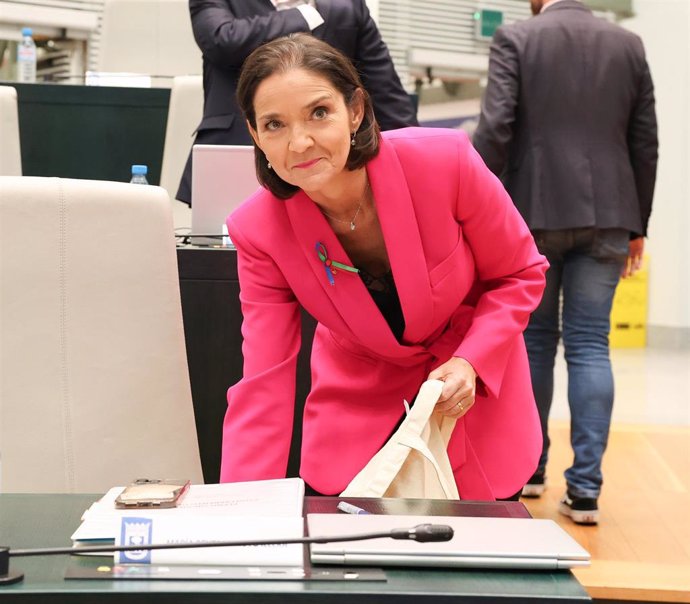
{"points": [[260, 510]]}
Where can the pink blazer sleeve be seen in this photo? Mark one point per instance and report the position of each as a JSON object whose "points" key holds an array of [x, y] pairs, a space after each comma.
{"points": [[258, 424], [512, 283]]}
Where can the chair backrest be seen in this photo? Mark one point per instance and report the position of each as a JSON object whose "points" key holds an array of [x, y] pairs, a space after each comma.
{"points": [[10, 150], [184, 115], [95, 387]]}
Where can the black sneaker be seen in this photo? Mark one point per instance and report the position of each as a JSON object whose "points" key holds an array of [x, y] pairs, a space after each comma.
{"points": [[582, 510], [535, 486]]}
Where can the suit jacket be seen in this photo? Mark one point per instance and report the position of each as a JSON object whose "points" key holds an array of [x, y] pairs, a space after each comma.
{"points": [[227, 31], [468, 275], [568, 121]]}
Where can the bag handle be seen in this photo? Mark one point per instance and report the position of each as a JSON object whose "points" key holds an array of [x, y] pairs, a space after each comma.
{"points": [[374, 478], [423, 411], [443, 474]]}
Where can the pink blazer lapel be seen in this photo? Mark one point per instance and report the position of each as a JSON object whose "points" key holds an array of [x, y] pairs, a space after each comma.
{"points": [[403, 241], [348, 294]]}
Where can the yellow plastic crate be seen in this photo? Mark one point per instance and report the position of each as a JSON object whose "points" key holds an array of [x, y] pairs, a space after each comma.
{"points": [[629, 311]]}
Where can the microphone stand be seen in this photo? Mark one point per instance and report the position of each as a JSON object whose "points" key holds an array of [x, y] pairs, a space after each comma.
{"points": [[421, 533]]}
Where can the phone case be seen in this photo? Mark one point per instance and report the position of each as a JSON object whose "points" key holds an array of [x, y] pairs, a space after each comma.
{"points": [[148, 493]]}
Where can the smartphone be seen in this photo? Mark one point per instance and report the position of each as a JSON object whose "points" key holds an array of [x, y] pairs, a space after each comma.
{"points": [[152, 493]]}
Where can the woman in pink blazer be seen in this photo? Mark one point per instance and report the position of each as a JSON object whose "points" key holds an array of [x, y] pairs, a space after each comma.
{"points": [[413, 260]]}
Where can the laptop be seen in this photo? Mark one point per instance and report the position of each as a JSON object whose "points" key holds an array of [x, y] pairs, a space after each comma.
{"points": [[478, 542], [223, 176]]}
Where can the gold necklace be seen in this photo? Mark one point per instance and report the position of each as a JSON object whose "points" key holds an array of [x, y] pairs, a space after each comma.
{"points": [[359, 207]]}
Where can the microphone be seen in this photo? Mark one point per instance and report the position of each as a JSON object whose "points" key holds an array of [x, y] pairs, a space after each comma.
{"points": [[421, 533], [424, 533]]}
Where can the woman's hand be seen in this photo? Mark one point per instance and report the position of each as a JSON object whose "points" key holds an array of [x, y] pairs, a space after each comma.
{"points": [[460, 383]]}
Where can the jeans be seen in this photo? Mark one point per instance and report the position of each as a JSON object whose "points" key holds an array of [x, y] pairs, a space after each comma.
{"points": [[585, 266]]}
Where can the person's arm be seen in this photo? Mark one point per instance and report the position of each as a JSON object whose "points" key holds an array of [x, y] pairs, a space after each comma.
{"points": [[494, 132], [227, 41], [643, 143], [258, 424], [509, 268], [392, 105]]}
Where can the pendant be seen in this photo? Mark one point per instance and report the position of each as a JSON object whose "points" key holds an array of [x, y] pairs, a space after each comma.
{"points": [[352, 226]]}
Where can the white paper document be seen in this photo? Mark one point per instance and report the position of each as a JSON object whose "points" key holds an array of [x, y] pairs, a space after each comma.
{"points": [[152, 528], [281, 498]]}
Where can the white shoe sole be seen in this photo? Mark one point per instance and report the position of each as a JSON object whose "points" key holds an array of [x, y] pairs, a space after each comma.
{"points": [[533, 490], [579, 516]]}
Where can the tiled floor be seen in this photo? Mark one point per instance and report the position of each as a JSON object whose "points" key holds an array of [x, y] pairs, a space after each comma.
{"points": [[652, 386]]}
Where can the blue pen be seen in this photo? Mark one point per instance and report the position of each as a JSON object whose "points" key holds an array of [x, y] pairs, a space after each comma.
{"points": [[348, 508]]}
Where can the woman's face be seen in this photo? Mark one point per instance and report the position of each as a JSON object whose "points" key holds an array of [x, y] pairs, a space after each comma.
{"points": [[304, 127]]}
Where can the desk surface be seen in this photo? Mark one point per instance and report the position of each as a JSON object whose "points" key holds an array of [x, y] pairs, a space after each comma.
{"points": [[48, 520]]}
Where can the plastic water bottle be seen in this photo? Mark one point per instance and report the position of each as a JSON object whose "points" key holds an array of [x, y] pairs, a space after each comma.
{"points": [[26, 57], [139, 175]]}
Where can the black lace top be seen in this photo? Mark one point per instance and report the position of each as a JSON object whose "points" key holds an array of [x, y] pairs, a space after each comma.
{"points": [[385, 296]]}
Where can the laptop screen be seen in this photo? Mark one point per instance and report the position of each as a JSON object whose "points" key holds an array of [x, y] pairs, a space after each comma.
{"points": [[223, 176]]}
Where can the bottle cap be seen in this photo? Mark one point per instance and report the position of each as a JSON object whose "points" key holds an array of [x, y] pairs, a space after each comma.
{"points": [[139, 169], [27, 31]]}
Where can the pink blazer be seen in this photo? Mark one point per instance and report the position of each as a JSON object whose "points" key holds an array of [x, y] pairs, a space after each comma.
{"points": [[468, 275]]}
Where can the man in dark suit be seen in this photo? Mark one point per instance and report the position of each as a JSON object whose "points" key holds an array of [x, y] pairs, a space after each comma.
{"points": [[568, 123], [227, 31]]}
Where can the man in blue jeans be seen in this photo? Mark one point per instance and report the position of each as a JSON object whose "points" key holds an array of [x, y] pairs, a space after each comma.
{"points": [[568, 123]]}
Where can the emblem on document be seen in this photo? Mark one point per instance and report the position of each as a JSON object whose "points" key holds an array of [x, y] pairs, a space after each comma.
{"points": [[136, 531]]}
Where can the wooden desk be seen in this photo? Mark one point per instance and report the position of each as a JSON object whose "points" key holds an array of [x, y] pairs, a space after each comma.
{"points": [[28, 521]]}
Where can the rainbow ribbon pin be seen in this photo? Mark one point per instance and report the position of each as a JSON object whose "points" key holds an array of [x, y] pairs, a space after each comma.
{"points": [[331, 265]]}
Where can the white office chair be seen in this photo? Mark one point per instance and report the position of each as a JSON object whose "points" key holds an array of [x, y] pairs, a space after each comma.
{"points": [[95, 388], [10, 150], [184, 115]]}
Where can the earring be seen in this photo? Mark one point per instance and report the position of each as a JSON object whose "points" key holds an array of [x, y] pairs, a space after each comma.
{"points": [[268, 163], [353, 142]]}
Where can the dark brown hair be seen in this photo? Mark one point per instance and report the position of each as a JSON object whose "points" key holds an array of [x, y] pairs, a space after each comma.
{"points": [[303, 51]]}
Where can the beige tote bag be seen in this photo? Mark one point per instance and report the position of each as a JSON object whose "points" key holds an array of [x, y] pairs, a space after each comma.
{"points": [[414, 462]]}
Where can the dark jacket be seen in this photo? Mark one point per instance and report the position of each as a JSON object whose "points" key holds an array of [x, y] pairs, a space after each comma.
{"points": [[227, 31], [568, 121]]}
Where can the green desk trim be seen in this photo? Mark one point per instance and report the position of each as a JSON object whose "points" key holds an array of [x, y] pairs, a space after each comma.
{"points": [[48, 521]]}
